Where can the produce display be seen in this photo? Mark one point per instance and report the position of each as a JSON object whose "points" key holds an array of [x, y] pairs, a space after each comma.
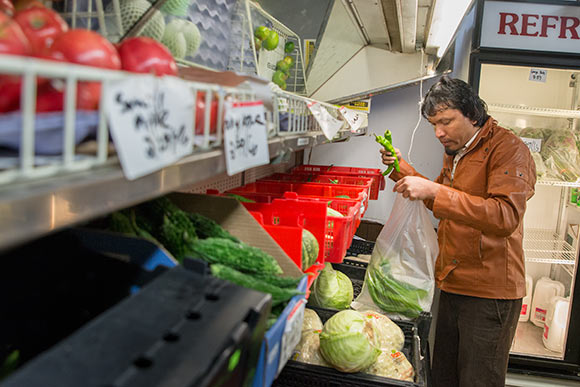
{"points": [[310, 249], [352, 341], [187, 235], [332, 289]]}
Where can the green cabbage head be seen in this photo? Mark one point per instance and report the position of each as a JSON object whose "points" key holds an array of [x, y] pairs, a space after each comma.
{"points": [[348, 341], [332, 289]]}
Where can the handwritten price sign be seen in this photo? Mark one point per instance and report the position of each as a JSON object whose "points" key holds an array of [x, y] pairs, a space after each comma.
{"points": [[534, 144], [151, 122], [352, 117], [245, 136], [329, 125]]}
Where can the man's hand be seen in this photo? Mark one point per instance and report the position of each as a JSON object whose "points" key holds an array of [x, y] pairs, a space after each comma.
{"points": [[416, 188], [387, 157]]}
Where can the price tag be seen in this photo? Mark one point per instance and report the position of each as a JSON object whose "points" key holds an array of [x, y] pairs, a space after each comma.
{"points": [[303, 141], [329, 125], [292, 333], [352, 117], [538, 75], [245, 136], [534, 144], [151, 122]]}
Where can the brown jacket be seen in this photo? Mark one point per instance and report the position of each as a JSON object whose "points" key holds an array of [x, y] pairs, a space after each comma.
{"points": [[481, 211]]}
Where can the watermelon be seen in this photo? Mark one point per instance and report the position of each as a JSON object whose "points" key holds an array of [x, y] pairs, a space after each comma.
{"points": [[310, 249]]}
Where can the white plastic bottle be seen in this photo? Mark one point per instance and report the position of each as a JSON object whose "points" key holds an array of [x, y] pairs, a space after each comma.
{"points": [[546, 288], [527, 300], [555, 324]]}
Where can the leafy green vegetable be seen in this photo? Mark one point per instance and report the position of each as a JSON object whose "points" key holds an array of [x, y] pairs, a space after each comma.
{"points": [[332, 289], [208, 228], [236, 255], [348, 341], [279, 295], [240, 198]]}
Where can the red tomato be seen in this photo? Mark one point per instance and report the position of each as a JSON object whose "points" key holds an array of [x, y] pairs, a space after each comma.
{"points": [[50, 97], [7, 7], [41, 26], [14, 42], [85, 47], [146, 55], [200, 114]]}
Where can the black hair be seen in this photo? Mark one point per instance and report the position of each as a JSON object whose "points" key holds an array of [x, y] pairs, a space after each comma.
{"points": [[449, 93]]}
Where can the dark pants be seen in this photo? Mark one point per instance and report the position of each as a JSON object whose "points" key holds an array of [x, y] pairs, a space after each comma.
{"points": [[472, 340]]}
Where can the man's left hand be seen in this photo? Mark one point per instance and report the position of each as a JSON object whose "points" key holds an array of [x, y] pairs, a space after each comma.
{"points": [[416, 188]]}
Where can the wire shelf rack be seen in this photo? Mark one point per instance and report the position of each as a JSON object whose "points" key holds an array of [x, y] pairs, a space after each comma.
{"points": [[545, 246], [534, 111]]}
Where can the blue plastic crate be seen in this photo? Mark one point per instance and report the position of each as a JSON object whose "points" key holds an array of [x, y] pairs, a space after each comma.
{"points": [[280, 340]]}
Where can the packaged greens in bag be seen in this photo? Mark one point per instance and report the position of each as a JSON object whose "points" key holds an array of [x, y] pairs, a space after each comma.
{"points": [[400, 277]]}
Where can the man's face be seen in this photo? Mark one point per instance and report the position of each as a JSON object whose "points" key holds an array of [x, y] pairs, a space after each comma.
{"points": [[452, 129]]}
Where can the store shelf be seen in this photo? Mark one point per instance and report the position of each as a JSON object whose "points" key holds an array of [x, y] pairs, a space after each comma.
{"points": [[534, 111], [528, 342], [558, 183], [33, 208], [544, 246]]}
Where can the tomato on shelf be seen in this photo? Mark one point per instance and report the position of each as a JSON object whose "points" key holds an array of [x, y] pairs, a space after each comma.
{"points": [[146, 55], [13, 42], [85, 47], [41, 26]]}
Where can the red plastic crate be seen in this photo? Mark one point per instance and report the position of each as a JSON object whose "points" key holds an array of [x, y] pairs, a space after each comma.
{"points": [[374, 173], [338, 231], [322, 179], [330, 191]]}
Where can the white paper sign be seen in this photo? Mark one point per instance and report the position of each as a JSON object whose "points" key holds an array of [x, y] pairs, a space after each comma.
{"points": [[352, 117], [151, 122], [245, 136], [329, 125], [292, 333], [538, 75], [534, 144]]}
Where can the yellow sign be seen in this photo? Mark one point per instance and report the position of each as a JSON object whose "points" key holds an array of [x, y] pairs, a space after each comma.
{"points": [[309, 45], [362, 105]]}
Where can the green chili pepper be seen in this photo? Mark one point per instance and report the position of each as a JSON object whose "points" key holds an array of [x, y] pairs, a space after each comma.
{"points": [[385, 141]]}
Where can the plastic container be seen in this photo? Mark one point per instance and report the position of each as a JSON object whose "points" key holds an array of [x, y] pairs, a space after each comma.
{"points": [[297, 374], [546, 288], [526, 302], [322, 179], [374, 173], [555, 324]]}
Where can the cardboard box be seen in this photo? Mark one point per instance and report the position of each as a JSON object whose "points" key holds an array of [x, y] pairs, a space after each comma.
{"points": [[284, 335]]}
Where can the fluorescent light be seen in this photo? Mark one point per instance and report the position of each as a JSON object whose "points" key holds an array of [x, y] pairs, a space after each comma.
{"points": [[445, 19]]}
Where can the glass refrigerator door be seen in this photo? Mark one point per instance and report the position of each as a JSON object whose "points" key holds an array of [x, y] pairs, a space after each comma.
{"points": [[541, 106]]}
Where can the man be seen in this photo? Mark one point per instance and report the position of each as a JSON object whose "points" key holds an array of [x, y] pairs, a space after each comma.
{"points": [[480, 198]]}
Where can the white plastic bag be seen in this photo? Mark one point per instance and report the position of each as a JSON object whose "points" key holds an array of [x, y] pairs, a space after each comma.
{"points": [[400, 277]]}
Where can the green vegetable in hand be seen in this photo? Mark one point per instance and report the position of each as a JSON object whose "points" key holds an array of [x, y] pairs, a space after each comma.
{"points": [[387, 142]]}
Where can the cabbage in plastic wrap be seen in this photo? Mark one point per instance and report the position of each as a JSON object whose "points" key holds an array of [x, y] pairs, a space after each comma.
{"points": [[307, 350], [311, 321], [389, 334], [392, 364]]}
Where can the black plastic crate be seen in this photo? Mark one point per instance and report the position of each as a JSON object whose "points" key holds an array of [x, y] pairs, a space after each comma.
{"points": [[297, 374], [360, 246]]}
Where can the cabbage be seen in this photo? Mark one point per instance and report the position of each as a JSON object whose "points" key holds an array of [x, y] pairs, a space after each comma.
{"points": [[332, 289], [390, 336], [307, 350], [349, 342], [392, 364], [311, 321]]}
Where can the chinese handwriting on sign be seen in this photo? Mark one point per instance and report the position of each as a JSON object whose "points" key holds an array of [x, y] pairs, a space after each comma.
{"points": [[538, 75], [243, 141], [151, 124]]}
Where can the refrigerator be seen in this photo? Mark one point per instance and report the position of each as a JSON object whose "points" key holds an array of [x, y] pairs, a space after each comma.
{"points": [[525, 64]]}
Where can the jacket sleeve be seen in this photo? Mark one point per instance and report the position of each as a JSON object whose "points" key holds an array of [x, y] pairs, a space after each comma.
{"points": [[511, 180], [408, 170]]}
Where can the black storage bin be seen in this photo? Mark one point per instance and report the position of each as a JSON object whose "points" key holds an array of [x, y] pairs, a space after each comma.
{"points": [[360, 246], [297, 374], [181, 328]]}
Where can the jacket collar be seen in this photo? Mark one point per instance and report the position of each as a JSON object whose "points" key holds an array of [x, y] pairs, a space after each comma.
{"points": [[485, 131]]}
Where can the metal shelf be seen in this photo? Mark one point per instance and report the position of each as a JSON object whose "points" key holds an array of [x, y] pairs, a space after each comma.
{"points": [[534, 111], [559, 183], [34, 208], [545, 246]]}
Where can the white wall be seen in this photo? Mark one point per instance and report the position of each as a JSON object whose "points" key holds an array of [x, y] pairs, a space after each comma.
{"points": [[398, 111]]}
